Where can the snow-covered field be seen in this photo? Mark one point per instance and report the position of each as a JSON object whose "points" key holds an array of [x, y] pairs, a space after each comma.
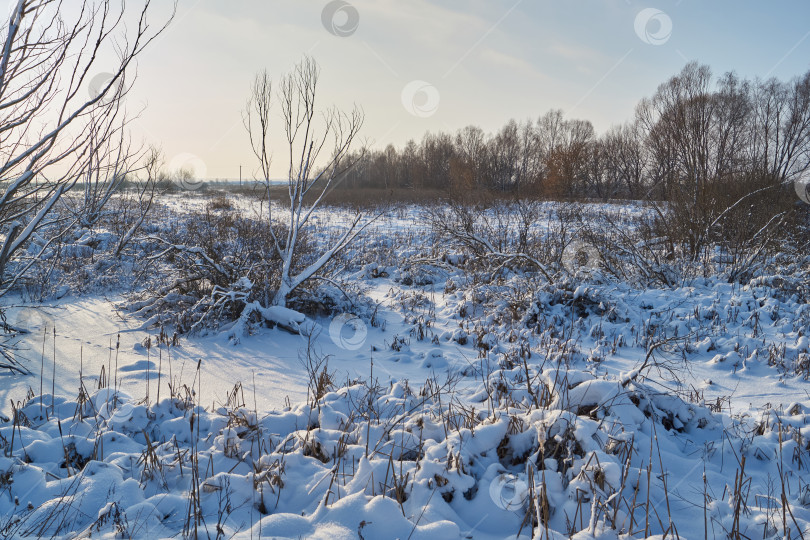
{"points": [[442, 407]]}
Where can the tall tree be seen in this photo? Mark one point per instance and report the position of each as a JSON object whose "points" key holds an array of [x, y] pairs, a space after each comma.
{"points": [[61, 119], [318, 149]]}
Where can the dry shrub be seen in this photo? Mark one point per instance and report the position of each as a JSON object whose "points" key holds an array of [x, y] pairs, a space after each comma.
{"points": [[729, 225], [220, 260]]}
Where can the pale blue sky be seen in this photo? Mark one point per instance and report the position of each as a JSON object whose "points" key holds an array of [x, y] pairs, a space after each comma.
{"points": [[487, 61]]}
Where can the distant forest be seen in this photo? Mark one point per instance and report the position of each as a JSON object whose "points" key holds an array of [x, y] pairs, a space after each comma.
{"points": [[696, 137]]}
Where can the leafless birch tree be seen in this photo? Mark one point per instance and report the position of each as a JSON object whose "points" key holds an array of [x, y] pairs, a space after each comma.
{"points": [[318, 147]]}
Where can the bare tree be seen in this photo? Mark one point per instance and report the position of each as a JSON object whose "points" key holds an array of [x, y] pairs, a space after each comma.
{"points": [[104, 173], [723, 152], [625, 165], [319, 154], [437, 152], [470, 164], [257, 122], [143, 195], [782, 127], [505, 157], [565, 147], [515, 157], [53, 131]]}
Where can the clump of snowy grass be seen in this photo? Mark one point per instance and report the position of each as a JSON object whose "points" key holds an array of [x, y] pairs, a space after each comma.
{"points": [[540, 450]]}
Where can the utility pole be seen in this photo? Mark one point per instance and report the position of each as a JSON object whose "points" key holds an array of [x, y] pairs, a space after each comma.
{"points": [[240, 175]]}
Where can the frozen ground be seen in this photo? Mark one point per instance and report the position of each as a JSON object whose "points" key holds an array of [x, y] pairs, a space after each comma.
{"points": [[447, 416], [88, 330]]}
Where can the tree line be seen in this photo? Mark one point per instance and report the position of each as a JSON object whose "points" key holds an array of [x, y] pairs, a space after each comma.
{"points": [[696, 133]]}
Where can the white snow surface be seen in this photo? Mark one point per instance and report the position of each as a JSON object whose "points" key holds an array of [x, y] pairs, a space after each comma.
{"points": [[209, 438]]}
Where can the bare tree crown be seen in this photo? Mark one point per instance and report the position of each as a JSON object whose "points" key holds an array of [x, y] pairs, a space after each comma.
{"points": [[61, 118]]}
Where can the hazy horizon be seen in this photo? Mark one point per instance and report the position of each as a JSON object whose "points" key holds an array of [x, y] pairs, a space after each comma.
{"points": [[433, 66]]}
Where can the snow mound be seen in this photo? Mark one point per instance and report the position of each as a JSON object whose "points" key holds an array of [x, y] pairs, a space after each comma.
{"points": [[371, 462]]}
